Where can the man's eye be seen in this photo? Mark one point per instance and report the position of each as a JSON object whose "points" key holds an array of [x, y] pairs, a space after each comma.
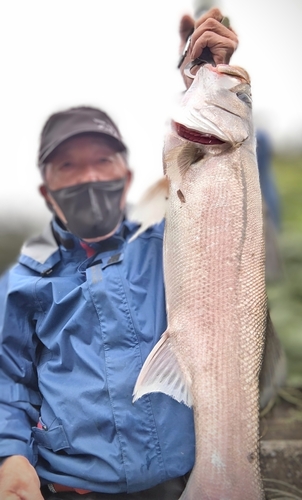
{"points": [[104, 160], [66, 165]]}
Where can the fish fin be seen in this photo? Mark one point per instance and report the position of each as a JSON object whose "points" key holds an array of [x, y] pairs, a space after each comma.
{"points": [[178, 161], [170, 161], [273, 371], [161, 373], [151, 208]]}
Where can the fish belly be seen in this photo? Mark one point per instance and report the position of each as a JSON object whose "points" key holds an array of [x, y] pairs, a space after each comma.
{"points": [[216, 302]]}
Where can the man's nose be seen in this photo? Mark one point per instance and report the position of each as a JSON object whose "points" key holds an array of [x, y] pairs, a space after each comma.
{"points": [[90, 173]]}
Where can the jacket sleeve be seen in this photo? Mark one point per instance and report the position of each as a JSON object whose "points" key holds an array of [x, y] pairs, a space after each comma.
{"points": [[19, 395]]}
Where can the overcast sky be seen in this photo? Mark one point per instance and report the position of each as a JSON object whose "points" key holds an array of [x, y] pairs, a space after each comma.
{"points": [[122, 55]]}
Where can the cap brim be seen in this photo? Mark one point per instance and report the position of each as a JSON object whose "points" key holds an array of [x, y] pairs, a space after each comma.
{"points": [[118, 145]]}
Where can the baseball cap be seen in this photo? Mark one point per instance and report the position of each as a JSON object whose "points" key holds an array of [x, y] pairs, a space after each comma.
{"points": [[73, 121]]}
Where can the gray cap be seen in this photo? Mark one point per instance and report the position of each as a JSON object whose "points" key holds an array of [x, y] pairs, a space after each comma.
{"points": [[65, 124]]}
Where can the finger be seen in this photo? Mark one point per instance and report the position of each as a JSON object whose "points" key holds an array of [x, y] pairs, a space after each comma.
{"points": [[218, 26], [223, 56], [221, 48], [210, 14], [186, 28], [203, 36], [214, 41]]}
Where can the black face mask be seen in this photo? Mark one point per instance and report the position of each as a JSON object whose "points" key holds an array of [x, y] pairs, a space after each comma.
{"points": [[91, 209]]}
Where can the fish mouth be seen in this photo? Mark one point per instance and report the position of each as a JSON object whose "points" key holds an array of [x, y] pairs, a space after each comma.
{"points": [[194, 136]]}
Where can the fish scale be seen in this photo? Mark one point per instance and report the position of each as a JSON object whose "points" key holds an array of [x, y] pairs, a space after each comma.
{"points": [[222, 276], [218, 331]]}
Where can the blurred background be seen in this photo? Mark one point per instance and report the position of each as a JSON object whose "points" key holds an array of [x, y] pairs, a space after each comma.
{"points": [[122, 56]]}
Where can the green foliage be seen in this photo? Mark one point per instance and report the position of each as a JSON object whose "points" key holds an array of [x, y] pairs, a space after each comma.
{"points": [[289, 179], [285, 296], [12, 238], [10, 244]]}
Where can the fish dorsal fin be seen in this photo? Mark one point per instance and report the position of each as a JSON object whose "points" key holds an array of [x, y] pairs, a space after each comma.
{"points": [[179, 160], [151, 208], [161, 373]]}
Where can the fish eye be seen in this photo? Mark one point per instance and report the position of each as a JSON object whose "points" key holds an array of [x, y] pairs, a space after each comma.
{"points": [[245, 98]]}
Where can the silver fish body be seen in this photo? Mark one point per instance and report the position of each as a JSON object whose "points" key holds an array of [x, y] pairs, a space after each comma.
{"points": [[211, 353]]}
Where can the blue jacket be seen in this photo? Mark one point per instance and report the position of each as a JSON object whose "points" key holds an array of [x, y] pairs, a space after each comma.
{"points": [[75, 331], [266, 177]]}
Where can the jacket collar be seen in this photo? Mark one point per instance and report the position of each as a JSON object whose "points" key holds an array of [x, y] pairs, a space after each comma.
{"points": [[41, 253]]}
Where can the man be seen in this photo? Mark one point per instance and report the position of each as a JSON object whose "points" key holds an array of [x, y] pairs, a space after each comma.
{"points": [[82, 310]]}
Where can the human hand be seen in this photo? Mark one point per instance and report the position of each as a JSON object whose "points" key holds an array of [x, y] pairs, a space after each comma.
{"points": [[207, 31], [19, 480]]}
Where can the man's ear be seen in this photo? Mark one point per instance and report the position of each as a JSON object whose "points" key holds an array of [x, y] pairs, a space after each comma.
{"points": [[44, 193], [129, 177]]}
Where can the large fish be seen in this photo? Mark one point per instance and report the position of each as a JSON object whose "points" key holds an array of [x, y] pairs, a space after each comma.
{"points": [[218, 330]]}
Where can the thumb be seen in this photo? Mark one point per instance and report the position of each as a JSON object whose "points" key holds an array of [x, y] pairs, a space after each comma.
{"points": [[186, 27]]}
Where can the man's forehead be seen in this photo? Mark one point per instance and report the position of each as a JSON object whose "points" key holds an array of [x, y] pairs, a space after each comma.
{"points": [[82, 141]]}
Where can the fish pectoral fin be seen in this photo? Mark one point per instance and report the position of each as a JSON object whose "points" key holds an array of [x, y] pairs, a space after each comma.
{"points": [[151, 208], [161, 373], [179, 160]]}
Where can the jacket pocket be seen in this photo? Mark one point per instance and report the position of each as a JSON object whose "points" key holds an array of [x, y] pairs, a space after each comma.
{"points": [[55, 439]]}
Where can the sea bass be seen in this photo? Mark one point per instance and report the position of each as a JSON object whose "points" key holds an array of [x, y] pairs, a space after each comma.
{"points": [[212, 352]]}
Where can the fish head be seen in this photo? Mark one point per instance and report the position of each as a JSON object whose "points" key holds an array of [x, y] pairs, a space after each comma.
{"points": [[216, 111]]}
